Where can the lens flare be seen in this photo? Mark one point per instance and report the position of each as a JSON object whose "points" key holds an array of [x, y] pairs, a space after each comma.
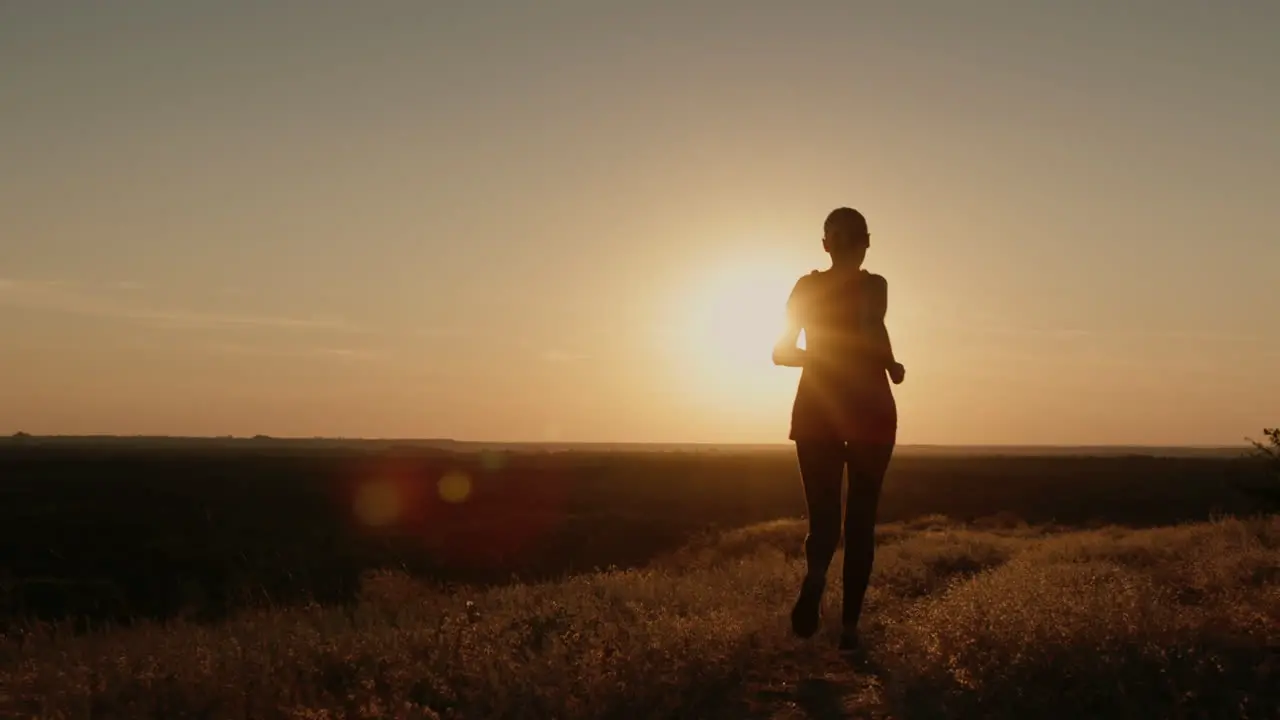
{"points": [[454, 487], [378, 503], [492, 460], [472, 514]]}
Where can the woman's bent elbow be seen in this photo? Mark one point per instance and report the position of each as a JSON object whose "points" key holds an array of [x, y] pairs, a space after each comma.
{"points": [[785, 357]]}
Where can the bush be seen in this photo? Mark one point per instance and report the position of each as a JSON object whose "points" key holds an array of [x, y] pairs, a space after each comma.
{"points": [[1270, 450], [1268, 454]]}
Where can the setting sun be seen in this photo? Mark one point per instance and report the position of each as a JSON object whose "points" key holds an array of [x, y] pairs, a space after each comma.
{"points": [[737, 320], [731, 319]]}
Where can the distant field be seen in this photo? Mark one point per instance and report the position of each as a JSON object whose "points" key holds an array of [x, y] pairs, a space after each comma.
{"points": [[1013, 622], [458, 446], [156, 528]]}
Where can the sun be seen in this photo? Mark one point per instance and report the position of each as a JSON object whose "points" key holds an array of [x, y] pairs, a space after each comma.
{"points": [[737, 320], [730, 322]]}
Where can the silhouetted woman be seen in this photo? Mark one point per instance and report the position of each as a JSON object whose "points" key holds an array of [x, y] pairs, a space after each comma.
{"points": [[844, 413]]}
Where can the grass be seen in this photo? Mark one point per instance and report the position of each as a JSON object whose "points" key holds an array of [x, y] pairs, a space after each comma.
{"points": [[1005, 620], [121, 532]]}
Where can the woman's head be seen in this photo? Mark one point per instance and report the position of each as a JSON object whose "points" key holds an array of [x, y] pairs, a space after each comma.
{"points": [[845, 237]]}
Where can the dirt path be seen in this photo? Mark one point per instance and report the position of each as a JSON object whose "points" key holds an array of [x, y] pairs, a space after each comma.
{"points": [[809, 681], [823, 687]]}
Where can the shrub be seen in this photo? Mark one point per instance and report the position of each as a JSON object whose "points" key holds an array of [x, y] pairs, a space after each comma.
{"points": [[1268, 454], [1270, 450]]}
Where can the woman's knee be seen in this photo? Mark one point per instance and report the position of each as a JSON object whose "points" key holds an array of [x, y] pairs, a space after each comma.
{"points": [[823, 538]]}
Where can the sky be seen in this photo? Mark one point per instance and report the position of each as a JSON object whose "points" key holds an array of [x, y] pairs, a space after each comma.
{"points": [[578, 220]]}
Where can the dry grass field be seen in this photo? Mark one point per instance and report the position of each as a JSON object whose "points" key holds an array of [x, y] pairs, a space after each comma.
{"points": [[1016, 622], [1155, 605]]}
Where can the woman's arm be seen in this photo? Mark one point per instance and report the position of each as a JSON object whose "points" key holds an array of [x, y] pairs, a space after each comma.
{"points": [[879, 331], [786, 352]]}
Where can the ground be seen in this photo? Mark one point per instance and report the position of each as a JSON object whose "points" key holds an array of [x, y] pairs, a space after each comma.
{"points": [[1018, 621]]}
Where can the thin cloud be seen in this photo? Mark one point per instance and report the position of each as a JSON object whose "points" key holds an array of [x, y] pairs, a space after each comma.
{"points": [[1084, 333], [345, 353], [16, 285], [64, 297], [296, 352], [560, 356], [196, 320], [439, 332]]}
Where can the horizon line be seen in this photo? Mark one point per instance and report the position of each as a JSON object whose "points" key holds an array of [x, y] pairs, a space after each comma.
{"points": [[455, 441]]}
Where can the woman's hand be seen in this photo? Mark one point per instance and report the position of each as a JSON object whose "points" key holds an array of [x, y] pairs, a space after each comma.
{"points": [[787, 354], [897, 373]]}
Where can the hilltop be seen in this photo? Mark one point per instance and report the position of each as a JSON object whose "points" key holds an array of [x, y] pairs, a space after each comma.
{"points": [[1006, 622]]}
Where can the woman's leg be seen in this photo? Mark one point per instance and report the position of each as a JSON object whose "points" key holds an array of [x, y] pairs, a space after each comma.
{"points": [[867, 462], [821, 470]]}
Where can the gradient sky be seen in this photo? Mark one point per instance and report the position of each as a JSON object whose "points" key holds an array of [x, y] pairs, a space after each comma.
{"points": [[579, 220]]}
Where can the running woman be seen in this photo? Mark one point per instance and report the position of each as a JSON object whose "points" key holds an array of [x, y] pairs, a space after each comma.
{"points": [[844, 414]]}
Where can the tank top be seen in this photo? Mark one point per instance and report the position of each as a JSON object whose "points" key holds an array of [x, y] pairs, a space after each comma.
{"points": [[844, 393]]}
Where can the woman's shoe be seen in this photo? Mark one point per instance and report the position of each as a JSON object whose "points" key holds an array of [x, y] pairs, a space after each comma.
{"points": [[849, 641], [806, 614]]}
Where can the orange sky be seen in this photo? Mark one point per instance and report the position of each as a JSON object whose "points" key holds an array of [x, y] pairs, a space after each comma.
{"points": [[566, 221]]}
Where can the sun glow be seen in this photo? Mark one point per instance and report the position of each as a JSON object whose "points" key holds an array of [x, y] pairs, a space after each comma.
{"points": [[731, 319]]}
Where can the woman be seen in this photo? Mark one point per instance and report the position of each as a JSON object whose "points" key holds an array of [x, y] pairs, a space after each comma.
{"points": [[844, 413]]}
